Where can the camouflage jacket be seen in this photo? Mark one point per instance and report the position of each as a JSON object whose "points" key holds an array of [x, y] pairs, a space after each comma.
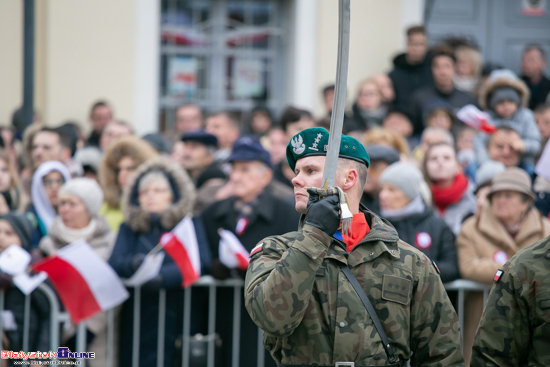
{"points": [[310, 313], [515, 327]]}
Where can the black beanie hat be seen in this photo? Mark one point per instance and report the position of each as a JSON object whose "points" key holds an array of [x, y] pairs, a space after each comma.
{"points": [[21, 225]]}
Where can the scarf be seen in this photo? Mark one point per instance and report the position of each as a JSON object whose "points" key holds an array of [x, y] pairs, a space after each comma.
{"points": [[359, 229], [69, 235], [44, 208], [416, 206], [446, 196]]}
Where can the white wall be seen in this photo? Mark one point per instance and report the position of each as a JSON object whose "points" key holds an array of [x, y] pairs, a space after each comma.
{"points": [[90, 55], [11, 59], [375, 29]]}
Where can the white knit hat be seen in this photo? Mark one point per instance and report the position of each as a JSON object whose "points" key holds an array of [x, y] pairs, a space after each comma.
{"points": [[87, 190]]}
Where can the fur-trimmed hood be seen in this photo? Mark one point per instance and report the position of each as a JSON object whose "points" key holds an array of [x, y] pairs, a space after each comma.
{"points": [[184, 193], [128, 146], [492, 84]]}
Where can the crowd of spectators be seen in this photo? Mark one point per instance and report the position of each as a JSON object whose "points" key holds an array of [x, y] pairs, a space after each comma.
{"points": [[468, 199]]}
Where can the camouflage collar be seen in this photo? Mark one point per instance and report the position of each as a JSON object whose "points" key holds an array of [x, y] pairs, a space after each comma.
{"points": [[382, 238]]}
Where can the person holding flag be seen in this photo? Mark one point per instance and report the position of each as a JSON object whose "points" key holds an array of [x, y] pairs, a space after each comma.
{"points": [[310, 290], [156, 204], [235, 225]]}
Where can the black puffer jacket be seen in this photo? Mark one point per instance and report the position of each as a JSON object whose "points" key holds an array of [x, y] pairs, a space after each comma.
{"points": [[407, 78], [429, 233]]}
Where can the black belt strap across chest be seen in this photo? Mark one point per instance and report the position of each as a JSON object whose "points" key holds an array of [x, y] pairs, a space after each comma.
{"points": [[370, 309]]}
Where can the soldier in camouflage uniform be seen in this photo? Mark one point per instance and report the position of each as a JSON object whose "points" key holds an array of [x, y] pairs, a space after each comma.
{"points": [[310, 313], [515, 327]]}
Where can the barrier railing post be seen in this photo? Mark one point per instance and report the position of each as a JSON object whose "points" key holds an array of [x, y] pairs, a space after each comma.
{"points": [[261, 353], [26, 322], [161, 327], [110, 337], [136, 325], [236, 326], [54, 315], [81, 340], [211, 325], [461, 310], [1, 309], [186, 337]]}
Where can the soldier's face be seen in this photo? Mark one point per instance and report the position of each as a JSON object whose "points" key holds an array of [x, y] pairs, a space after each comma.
{"points": [[309, 173]]}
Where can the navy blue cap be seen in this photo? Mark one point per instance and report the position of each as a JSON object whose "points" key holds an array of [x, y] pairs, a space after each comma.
{"points": [[202, 137], [382, 153], [246, 149]]}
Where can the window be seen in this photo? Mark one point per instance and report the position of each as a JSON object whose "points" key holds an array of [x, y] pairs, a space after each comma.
{"points": [[221, 54]]}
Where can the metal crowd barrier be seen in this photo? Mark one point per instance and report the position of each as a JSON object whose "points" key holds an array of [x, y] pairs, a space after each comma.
{"points": [[58, 317]]}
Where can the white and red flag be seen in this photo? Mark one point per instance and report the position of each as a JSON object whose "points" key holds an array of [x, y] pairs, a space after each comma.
{"points": [[232, 252], [475, 118], [182, 246], [85, 283]]}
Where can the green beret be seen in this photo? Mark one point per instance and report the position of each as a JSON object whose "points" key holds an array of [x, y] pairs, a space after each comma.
{"points": [[314, 141]]}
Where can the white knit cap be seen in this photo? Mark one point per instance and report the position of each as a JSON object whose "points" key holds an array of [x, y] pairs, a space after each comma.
{"points": [[87, 190], [404, 176]]}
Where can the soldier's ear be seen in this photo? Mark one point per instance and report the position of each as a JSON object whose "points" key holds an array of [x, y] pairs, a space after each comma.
{"points": [[351, 179]]}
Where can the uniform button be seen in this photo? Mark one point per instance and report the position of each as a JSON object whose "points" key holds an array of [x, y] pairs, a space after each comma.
{"points": [[343, 278], [372, 253], [342, 324]]}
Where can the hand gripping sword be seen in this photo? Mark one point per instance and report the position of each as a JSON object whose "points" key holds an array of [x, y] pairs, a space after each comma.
{"points": [[337, 117]]}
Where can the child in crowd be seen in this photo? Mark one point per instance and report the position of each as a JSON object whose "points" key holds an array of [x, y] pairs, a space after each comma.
{"points": [[15, 229], [503, 97], [399, 121], [439, 114]]}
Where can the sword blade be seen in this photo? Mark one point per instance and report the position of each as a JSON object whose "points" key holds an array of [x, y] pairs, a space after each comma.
{"points": [[339, 103]]}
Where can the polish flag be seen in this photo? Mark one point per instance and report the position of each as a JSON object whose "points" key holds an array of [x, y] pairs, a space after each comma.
{"points": [[476, 119], [182, 246], [232, 252], [85, 283]]}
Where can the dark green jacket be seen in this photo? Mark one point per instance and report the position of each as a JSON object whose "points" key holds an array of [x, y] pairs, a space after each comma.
{"points": [[296, 292], [515, 327]]}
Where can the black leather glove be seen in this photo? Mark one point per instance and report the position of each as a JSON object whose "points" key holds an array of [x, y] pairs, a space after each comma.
{"points": [[323, 214], [137, 260], [154, 284]]}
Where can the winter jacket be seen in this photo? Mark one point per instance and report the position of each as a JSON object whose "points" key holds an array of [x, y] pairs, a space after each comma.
{"points": [[361, 120], [431, 235], [113, 215], [539, 92], [272, 216], [422, 98], [483, 246], [523, 122], [39, 322], [408, 78], [139, 234], [101, 240]]}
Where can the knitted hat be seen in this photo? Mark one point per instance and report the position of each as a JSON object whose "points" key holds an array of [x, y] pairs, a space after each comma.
{"points": [[404, 176], [382, 153], [512, 179], [87, 190], [504, 94], [21, 225], [487, 171]]}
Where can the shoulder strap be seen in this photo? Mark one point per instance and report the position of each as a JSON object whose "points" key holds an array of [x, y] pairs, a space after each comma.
{"points": [[370, 309]]}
